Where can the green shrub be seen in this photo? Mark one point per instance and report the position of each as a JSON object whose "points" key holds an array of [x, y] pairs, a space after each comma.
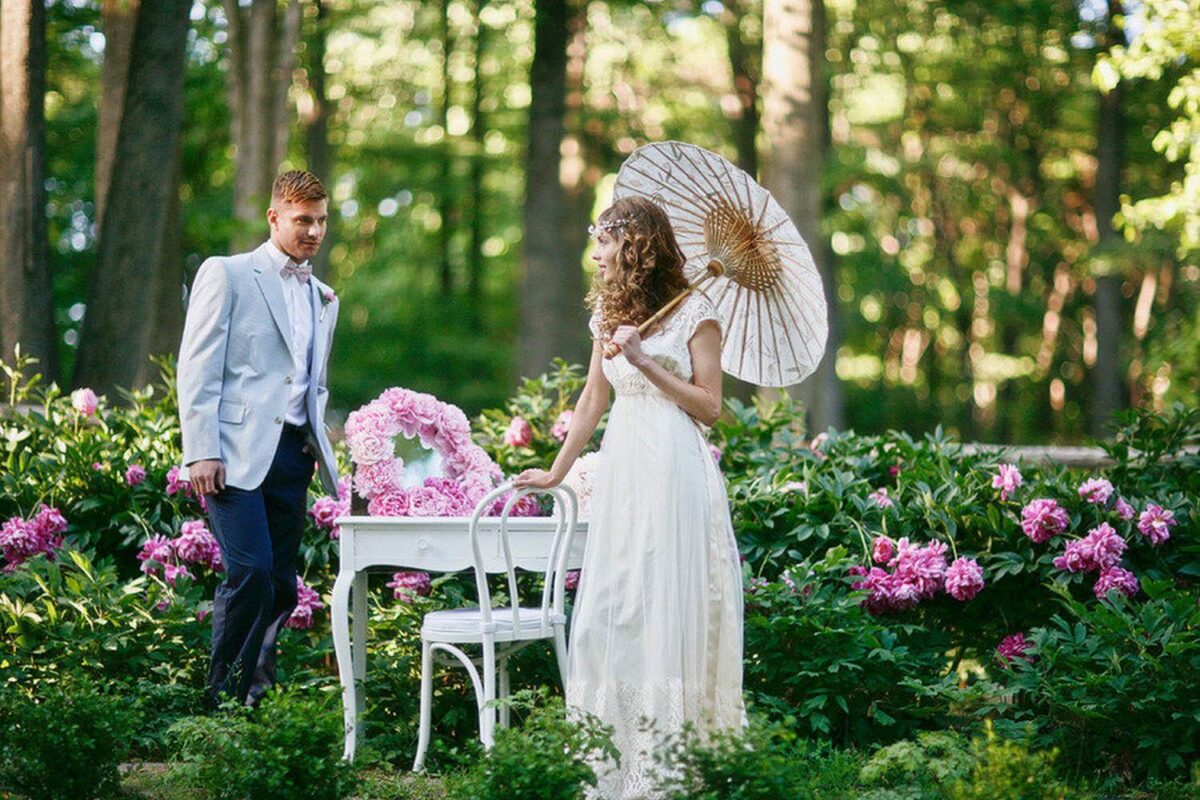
{"points": [[290, 746], [811, 649], [943, 765], [1006, 770], [549, 756], [63, 743], [770, 762], [927, 767]]}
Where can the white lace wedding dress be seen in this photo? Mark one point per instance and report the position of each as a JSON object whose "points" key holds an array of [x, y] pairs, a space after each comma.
{"points": [[657, 627]]}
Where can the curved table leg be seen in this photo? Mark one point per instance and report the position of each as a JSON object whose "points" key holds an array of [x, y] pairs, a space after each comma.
{"points": [[358, 647], [340, 617]]}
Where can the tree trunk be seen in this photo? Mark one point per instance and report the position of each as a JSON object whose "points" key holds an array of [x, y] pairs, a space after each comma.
{"points": [[261, 56], [26, 285], [320, 156], [551, 284], [744, 62], [115, 329], [475, 178], [1108, 390], [119, 20], [447, 208], [166, 329], [795, 126]]}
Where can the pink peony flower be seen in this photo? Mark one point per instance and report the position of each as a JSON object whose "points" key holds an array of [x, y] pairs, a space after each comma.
{"points": [[195, 544], [883, 550], [392, 504], [1042, 519], [307, 601], [327, 295], [716, 453], [1007, 480], [519, 433], [1116, 578], [880, 498], [886, 592], [1095, 490], [135, 474], [174, 485], [562, 425], [964, 578], [1124, 510], [173, 572], [18, 542], [1155, 524], [921, 569], [1099, 550], [571, 582], [407, 586], [157, 551], [326, 510], [97, 466], [1014, 647], [84, 401]]}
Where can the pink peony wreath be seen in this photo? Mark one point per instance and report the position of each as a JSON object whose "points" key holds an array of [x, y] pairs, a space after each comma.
{"points": [[469, 472]]}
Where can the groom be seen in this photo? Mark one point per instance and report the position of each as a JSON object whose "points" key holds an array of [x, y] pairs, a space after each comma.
{"points": [[252, 400]]}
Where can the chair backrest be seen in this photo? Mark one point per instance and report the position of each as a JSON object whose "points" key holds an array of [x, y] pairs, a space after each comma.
{"points": [[553, 605]]}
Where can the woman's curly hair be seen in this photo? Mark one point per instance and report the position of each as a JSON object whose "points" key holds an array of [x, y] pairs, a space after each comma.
{"points": [[647, 271]]}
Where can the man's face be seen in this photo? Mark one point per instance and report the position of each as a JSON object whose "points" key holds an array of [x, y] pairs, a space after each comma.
{"points": [[298, 228]]}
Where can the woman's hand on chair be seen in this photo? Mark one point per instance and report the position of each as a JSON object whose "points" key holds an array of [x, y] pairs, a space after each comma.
{"points": [[537, 479]]}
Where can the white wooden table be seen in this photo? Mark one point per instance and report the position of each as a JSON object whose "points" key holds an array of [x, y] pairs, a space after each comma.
{"points": [[431, 544]]}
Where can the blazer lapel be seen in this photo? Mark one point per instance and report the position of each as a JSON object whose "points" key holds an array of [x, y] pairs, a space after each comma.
{"points": [[318, 346], [271, 286]]}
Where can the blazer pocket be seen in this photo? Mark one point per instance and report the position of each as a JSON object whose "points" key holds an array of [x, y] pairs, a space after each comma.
{"points": [[231, 411]]}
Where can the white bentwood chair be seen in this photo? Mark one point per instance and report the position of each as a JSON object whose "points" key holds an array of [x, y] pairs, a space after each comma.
{"points": [[500, 631]]}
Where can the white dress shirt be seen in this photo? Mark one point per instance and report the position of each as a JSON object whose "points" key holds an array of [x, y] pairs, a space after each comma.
{"points": [[298, 297]]}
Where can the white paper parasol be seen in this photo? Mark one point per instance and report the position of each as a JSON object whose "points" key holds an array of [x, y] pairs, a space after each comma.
{"points": [[744, 253]]}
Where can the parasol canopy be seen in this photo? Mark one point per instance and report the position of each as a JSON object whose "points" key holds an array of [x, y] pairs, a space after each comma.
{"points": [[744, 253]]}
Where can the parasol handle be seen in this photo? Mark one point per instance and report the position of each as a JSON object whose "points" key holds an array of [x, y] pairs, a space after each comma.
{"points": [[715, 269]]}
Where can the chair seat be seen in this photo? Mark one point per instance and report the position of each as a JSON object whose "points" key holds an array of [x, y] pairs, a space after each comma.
{"points": [[466, 625]]}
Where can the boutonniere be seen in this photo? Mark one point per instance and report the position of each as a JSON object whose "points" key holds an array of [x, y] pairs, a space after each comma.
{"points": [[327, 297]]}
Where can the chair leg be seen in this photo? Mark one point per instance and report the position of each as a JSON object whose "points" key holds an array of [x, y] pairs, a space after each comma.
{"points": [[504, 692], [560, 654], [426, 705], [487, 708]]}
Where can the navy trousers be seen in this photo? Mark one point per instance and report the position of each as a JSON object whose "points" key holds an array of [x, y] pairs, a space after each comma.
{"points": [[259, 534]]}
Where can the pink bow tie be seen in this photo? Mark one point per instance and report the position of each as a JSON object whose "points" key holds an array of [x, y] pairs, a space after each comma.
{"points": [[300, 272]]}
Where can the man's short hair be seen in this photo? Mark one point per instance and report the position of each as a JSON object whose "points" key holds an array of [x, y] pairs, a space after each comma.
{"points": [[297, 186]]}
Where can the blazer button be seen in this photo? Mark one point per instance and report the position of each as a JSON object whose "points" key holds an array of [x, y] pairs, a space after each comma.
{"points": [[278, 420], [288, 379]]}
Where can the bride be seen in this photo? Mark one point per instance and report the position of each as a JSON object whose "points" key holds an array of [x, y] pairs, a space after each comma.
{"points": [[656, 638]]}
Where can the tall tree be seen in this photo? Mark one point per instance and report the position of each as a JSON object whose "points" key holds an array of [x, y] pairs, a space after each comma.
{"points": [[26, 298], [551, 284], [262, 52], [745, 62], [165, 311], [116, 327], [316, 123], [476, 174], [795, 123], [448, 207], [1108, 391]]}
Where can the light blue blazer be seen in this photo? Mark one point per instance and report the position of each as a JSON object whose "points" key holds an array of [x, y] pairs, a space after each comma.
{"points": [[235, 368]]}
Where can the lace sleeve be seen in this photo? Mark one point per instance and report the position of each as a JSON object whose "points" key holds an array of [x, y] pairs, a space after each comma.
{"points": [[594, 325], [697, 309]]}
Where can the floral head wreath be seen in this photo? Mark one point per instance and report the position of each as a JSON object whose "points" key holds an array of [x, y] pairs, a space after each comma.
{"points": [[601, 227]]}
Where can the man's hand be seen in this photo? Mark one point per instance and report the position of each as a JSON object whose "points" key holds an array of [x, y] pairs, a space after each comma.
{"points": [[208, 476]]}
